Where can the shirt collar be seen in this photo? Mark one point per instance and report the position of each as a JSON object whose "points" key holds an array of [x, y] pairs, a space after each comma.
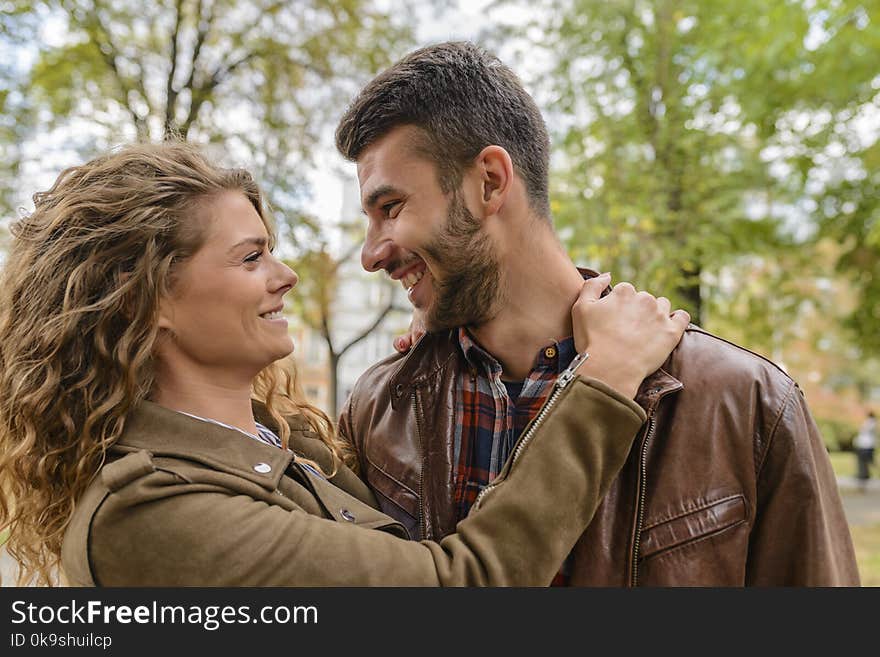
{"points": [[555, 356], [552, 356]]}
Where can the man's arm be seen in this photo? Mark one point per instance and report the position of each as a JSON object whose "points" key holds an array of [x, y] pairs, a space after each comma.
{"points": [[347, 434], [801, 536]]}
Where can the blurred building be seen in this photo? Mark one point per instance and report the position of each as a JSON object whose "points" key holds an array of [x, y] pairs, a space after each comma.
{"points": [[360, 299]]}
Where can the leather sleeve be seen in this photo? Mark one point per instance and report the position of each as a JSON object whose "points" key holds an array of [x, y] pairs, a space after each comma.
{"points": [[517, 536], [347, 434], [801, 536]]}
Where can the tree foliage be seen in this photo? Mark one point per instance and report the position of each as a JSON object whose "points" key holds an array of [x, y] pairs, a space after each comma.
{"points": [[261, 79], [688, 134], [259, 83]]}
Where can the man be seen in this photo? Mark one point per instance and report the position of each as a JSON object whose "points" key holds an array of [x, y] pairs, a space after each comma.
{"points": [[728, 483]]}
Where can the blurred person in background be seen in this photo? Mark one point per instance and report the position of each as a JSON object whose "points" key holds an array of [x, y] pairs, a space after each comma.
{"points": [[864, 444]]}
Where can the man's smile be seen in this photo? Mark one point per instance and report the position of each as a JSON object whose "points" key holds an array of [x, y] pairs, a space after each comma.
{"points": [[410, 273]]}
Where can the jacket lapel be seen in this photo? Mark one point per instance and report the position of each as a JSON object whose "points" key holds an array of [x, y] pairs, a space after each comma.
{"points": [[164, 432]]}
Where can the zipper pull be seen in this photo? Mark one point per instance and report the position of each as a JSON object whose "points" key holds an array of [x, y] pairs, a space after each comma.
{"points": [[571, 371]]}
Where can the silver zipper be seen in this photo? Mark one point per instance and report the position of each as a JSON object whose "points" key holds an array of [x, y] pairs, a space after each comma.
{"points": [[561, 384], [643, 483], [570, 372], [422, 519]]}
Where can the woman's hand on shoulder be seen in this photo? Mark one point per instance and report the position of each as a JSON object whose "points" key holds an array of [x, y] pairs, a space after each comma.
{"points": [[416, 330], [628, 334]]}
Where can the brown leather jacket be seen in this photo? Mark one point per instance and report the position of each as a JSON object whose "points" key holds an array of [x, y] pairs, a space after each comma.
{"points": [[728, 484]]}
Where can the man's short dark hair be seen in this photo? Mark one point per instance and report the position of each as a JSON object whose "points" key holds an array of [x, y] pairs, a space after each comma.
{"points": [[463, 99]]}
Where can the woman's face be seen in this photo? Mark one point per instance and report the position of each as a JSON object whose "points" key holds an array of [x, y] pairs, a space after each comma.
{"points": [[224, 311]]}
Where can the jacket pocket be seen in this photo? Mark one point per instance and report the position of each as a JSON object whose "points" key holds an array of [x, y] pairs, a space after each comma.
{"points": [[689, 527], [395, 499], [346, 508]]}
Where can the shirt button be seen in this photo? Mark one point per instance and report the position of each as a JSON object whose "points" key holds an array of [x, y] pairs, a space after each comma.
{"points": [[550, 352], [263, 468], [347, 515]]}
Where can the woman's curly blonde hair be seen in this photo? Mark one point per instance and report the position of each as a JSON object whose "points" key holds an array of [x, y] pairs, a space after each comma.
{"points": [[79, 298]]}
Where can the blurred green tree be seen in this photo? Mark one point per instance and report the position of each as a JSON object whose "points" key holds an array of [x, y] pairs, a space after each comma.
{"points": [[259, 82], [687, 133], [261, 79]]}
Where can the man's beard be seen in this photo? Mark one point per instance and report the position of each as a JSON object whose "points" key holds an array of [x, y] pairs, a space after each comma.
{"points": [[470, 292]]}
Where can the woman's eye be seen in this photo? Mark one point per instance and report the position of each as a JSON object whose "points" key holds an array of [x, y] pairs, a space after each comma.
{"points": [[253, 257]]}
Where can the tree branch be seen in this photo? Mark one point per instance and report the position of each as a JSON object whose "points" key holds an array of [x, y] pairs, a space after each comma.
{"points": [[100, 36], [204, 26], [388, 308], [328, 338], [643, 89], [170, 92], [201, 94]]}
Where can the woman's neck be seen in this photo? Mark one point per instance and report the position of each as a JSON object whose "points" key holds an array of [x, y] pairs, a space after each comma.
{"points": [[230, 404]]}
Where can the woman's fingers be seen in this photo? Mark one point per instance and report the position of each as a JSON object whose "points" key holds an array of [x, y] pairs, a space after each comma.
{"points": [[416, 330]]}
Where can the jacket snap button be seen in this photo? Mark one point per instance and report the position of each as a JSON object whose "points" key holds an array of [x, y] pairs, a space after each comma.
{"points": [[263, 468], [346, 514]]}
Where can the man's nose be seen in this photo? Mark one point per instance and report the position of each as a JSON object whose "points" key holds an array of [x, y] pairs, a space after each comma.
{"points": [[376, 252]]}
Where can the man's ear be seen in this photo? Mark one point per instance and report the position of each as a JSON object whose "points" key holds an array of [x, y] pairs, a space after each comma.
{"points": [[496, 172]]}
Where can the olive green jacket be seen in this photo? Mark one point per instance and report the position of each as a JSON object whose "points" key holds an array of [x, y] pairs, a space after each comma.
{"points": [[183, 502]]}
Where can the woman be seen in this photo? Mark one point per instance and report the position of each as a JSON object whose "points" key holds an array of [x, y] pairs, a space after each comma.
{"points": [[140, 314]]}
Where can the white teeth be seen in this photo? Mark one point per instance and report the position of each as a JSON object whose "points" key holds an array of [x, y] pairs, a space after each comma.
{"points": [[411, 279], [273, 315]]}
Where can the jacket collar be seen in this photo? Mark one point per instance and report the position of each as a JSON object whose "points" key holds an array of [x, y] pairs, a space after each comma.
{"points": [[164, 432], [654, 388], [431, 354], [436, 351]]}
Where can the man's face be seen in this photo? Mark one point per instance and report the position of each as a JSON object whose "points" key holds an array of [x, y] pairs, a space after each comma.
{"points": [[426, 239]]}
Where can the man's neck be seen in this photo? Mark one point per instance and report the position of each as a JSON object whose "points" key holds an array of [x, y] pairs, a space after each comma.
{"points": [[542, 286]]}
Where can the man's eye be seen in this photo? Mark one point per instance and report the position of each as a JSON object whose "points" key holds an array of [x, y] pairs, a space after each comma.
{"points": [[391, 209], [253, 257]]}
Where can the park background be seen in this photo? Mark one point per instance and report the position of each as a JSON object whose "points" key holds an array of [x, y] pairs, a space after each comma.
{"points": [[724, 154]]}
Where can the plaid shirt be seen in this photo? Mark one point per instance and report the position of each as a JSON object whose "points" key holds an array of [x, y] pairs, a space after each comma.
{"points": [[488, 423]]}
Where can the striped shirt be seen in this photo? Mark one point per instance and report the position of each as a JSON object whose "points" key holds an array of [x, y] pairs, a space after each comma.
{"points": [[264, 435], [488, 421]]}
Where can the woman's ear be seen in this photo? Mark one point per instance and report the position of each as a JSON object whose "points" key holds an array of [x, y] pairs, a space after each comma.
{"points": [[166, 315], [126, 303]]}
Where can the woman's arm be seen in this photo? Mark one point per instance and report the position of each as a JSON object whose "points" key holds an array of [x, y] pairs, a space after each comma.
{"points": [[160, 531]]}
